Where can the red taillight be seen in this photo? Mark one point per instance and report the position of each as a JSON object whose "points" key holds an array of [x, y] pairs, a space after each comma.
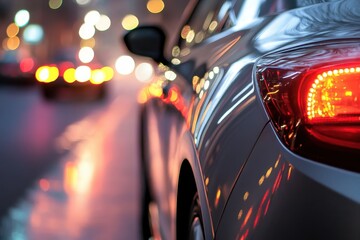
{"points": [[332, 105], [333, 95], [312, 96]]}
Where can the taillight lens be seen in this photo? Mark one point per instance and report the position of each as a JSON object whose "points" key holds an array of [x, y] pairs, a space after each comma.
{"points": [[332, 105], [312, 96]]}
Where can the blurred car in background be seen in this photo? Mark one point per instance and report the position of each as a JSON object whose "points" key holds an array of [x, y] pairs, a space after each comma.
{"points": [[64, 79], [16, 71], [251, 129]]}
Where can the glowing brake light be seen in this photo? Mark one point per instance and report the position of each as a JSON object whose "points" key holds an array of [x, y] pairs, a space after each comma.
{"points": [[334, 96], [312, 96], [332, 107]]}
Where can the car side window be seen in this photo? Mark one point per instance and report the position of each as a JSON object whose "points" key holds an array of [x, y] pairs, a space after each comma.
{"points": [[248, 10], [210, 17]]}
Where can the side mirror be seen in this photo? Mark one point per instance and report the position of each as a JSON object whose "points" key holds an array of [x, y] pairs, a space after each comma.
{"points": [[147, 41]]}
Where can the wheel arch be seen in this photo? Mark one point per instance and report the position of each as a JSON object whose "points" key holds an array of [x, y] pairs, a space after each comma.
{"points": [[188, 186], [186, 190]]}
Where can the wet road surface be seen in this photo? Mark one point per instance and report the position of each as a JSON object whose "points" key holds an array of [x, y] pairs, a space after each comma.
{"points": [[69, 170]]}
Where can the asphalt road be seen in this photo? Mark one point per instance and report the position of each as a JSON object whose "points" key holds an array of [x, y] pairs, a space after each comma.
{"points": [[69, 169]]}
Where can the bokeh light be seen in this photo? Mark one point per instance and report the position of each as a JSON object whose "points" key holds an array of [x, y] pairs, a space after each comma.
{"points": [[103, 24], [33, 33], [130, 22], [54, 73], [42, 73], [170, 75], [125, 65], [83, 2], [86, 31], [97, 76], [88, 42], [12, 43], [109, 73], [155, 6], [92, 17], [83, 73], [22, 17], [55, 4], [144, 72], [12, 30], [27, 64], [69, 75], [86, 54], [47, 74]]}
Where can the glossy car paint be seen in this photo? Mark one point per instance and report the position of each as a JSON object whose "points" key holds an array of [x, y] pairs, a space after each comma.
{"points": [[249, 184]]}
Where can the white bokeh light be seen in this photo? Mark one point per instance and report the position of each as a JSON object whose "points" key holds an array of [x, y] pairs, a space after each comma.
{"points": [[103, 23], [83, 73], [86, 54], [22, 17], [33, 33], [92, 17], [144, 72], [125, 65], [170, 75], [86, 31], [83, 2]]}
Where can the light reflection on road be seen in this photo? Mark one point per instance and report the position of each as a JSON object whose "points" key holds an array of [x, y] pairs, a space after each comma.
{"points": [[93, 192]]}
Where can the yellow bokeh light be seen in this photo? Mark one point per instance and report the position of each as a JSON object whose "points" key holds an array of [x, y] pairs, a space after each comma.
{"points": [[246, 196], [69, 75], [190, 36], [47, 74], [142, 97], [42, 73], [12, 30], [348, 93], [55, 4], [155, 6], [155, 90], [109, 73], [53, 74], [213, 26], [174, 96], [130, 22], [97, 76]]}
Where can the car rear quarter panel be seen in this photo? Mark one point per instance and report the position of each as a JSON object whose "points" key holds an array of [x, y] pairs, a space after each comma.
{"points": [[226, 120], [280, 195]]}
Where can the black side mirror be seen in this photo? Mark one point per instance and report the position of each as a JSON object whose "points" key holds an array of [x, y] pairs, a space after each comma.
{"points": [[147, 41]]}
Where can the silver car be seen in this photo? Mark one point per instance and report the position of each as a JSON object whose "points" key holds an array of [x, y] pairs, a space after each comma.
{"points": [[251, 130]]}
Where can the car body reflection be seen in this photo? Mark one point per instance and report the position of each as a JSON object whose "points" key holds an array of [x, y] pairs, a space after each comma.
{"points": [[266, 145]]}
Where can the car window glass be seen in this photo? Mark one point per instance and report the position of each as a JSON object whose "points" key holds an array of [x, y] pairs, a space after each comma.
{"points": [[248, 10], [209, 18]]}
